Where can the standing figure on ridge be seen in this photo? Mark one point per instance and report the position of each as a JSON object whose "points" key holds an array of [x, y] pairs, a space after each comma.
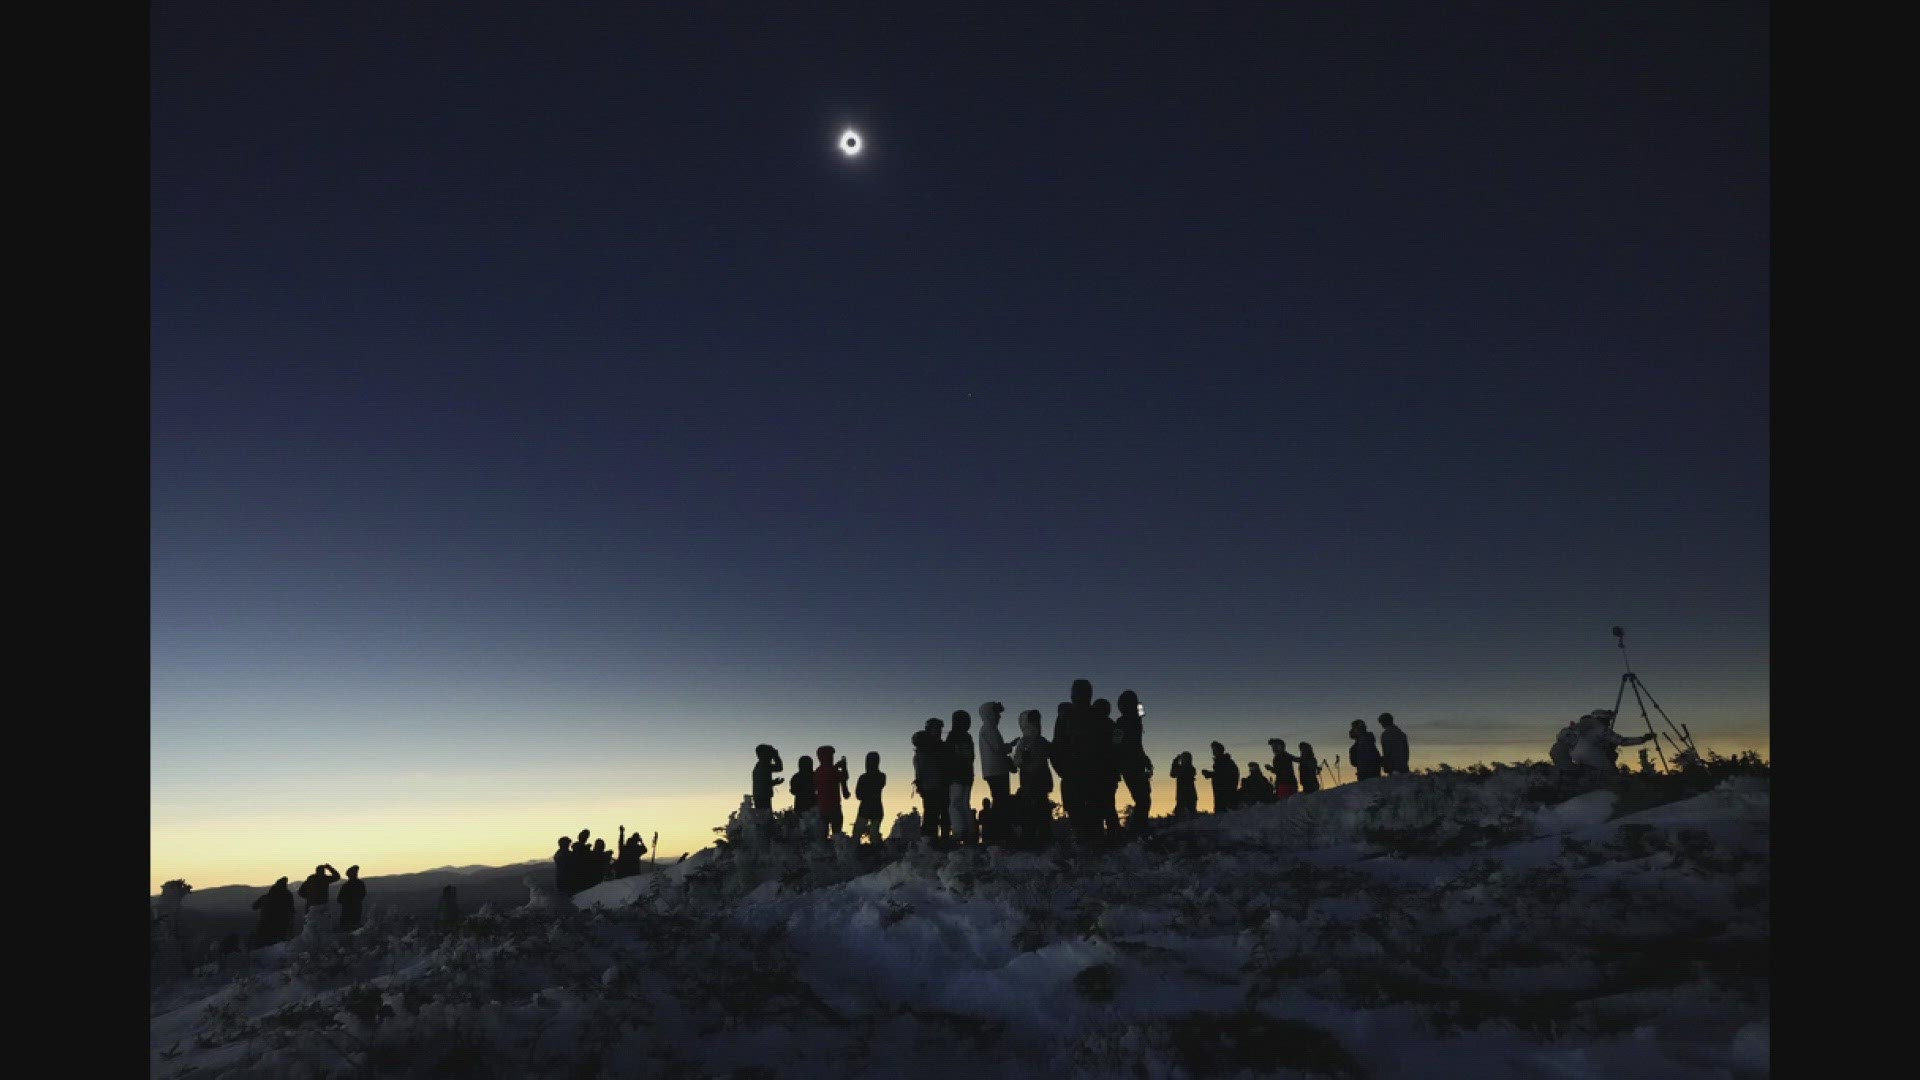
{"points": [[1136, 769], [314, 889], [276, 915], [801, 786], [1102, 743], [1309, 770], [1186, 797], [1283, 782], [1031, 753], [1393, 746], [930, 780], [830, 786], [1363, 755], [766, 765], [995, 765], [1225, 775], [867, 790], [959, 773], [353, 893]]}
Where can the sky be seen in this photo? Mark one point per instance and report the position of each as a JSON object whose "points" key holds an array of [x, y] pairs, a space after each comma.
{"points": [[544, 411]]}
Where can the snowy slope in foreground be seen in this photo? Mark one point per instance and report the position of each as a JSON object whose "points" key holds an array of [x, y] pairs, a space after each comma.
{"points": [[1503, 925]]}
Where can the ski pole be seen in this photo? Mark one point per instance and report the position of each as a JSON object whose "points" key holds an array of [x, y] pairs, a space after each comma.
{"points": [[656, 848]]}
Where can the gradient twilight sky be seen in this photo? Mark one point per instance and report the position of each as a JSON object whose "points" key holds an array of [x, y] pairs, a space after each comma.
{"points": [[544, 412]]}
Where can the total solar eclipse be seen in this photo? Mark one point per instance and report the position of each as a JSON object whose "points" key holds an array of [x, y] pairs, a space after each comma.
{"points": [[850, 142]]}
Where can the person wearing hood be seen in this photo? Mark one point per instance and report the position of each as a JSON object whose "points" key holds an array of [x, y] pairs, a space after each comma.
{"points": [[353, 894], [1225, 775], [930, 780], [1309, 770], [1031, 753], [1393, 746], [1136, 770], [276, 915], [1256, 788], [995, 765], [766, 766], [806, 796], [867, 790], [1561, 754], [959, 760], [1364, 755], [1283, 782], [830, 786], [563, 872], [1186, 797], [1599, 746]]}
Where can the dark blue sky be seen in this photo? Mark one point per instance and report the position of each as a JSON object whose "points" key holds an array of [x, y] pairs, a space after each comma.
{"points": [[1262, 361]]}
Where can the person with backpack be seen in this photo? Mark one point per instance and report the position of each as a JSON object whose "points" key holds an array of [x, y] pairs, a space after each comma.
{"points": [[1283, 762], [1364, 755], [1225, 775], [276, 915], [1309, 770], [1135, 768]]}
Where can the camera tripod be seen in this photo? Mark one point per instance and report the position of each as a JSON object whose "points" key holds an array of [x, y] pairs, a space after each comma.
{"points": [[1682, 739]]}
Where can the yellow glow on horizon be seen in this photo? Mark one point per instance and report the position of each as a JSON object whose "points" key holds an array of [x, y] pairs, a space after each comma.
{"points": [[210, 848]]}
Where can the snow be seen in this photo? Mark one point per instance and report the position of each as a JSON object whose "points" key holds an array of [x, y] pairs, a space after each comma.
{"points": [[1434, 925]]}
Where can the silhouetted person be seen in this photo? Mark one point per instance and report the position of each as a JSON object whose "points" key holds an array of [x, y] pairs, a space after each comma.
{"points": [[1256, 788], [1598, 748], [959, 759], [631, 849], [930, 780], [601, 863], [765, 767], [1066, 762], [353, 894], [830, 785], [1393, 746], [314, 889], [1283, 782], [867, 790], [990, 822], [1030, 756], [1364, 755], [1186, 797], [996, 765], [1225, 775], [448, 910], [276, 915], [1131, 754], [802, 786], [563, 867], [1309, 769], [1562, 752], [1103, 742]]}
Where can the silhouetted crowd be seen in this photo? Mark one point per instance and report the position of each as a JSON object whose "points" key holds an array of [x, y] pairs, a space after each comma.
{"points": [[1092, 752], [577, 866]]}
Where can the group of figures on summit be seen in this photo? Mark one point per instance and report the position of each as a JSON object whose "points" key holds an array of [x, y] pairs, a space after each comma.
{"points": [[1091, 753]]}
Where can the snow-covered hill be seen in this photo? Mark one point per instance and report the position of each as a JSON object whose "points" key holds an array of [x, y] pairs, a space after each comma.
{"points": [[1498, 924]]}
